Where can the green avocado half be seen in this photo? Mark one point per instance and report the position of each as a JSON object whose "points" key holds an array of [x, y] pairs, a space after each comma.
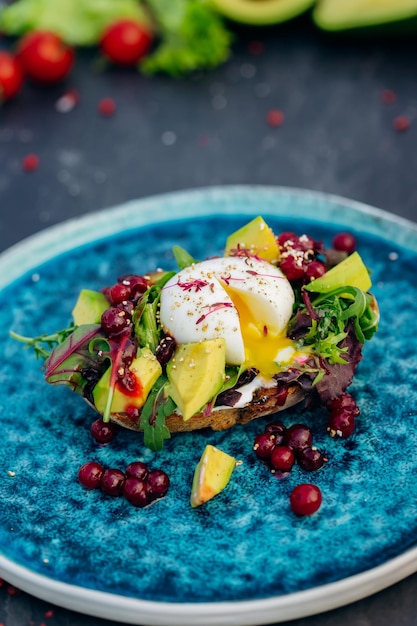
{"points": [[356, 15], [261, 12]]}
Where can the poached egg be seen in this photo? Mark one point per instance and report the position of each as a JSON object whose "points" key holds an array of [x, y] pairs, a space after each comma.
{"points": [[245, 300]]}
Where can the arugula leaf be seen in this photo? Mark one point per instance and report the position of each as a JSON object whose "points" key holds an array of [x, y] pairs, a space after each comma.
{"points": [[182, 257], [152, 418], [147, 329], [330, 314], [192, 34], [50, 340]]}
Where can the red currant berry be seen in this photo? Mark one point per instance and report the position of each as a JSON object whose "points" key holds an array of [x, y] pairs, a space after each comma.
{"points": [[305, 499], [263, 445], [310, 459], [292, 267], [112, 482], [314, 270], [341, 424], [282, 458], [136, 491], [287, 239], [90, 475], [298, 436], [137, 469], [158, 483], [114, 321], [119, 293], [344, 242], [102, 431]]}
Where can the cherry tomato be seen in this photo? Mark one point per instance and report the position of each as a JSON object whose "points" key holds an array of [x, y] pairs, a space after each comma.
{"points": [[11, 76], [44, 57], [125, 42]]}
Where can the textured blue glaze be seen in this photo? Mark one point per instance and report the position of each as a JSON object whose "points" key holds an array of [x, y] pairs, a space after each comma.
{"points": [[245, 543]]}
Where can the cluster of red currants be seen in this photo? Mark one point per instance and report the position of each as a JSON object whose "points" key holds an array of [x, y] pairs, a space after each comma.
{"points": [[280, 448], [139, 485]]}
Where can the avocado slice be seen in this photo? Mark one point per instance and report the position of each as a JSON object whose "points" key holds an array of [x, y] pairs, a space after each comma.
{"points": [[211, 475], [146, 370], [261, 12], [257, 238], [350, 272], [346, 15], [89, 307], [196, 373]]}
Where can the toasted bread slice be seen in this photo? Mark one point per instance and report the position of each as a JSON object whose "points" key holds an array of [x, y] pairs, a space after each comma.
{"points": [[264, 402]]}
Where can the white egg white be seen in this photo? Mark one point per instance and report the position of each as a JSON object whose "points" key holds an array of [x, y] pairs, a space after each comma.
{"points": [[223, 297]]}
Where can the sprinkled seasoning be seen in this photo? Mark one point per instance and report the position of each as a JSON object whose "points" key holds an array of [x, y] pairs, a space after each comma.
{"points": [[401, 123], [388, 96], [67, 101], [106, 107], [256, 48], [30, 162], [275, 118]]}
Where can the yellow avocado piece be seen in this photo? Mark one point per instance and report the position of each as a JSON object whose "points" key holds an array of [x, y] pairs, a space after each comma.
{"points": [[261, 11], [336, 15], [349, 272], [146, 369], [211, 475], [257, 238], [196, 373], [89, 307]]}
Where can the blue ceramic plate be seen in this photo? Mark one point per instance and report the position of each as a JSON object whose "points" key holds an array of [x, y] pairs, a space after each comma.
{"points": [[243, 558]]}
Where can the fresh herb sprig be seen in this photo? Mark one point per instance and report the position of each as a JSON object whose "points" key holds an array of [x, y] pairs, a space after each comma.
{"points": [[145, 318], [330, 314], [43, 345]]}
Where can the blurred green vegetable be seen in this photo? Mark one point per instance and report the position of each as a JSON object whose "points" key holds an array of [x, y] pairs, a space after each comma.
{"points": [[190, 34], [77, 22], [192, 37]]}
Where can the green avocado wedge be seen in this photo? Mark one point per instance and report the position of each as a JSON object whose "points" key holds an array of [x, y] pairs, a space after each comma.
{"points": [[366, 16], [261, 12]]}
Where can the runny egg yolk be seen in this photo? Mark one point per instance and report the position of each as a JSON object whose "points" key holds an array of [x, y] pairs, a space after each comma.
{"points": [[265, 348]]}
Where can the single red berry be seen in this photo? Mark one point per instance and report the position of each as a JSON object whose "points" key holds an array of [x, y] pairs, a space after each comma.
{"points": [[305, 499], [158, 483], [106, 107], [310, 459], [30, 162], [401, 123], [102, 431], [282, 458], [256, 48], [90, 475], [136, 491], [298, 436], [263, 445], [388, 96], [118, 293], [287, 239], [293, 267], [341, 423], [275, 118], [137, 469], [112, 482], [314, 270], [344, 242]]}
